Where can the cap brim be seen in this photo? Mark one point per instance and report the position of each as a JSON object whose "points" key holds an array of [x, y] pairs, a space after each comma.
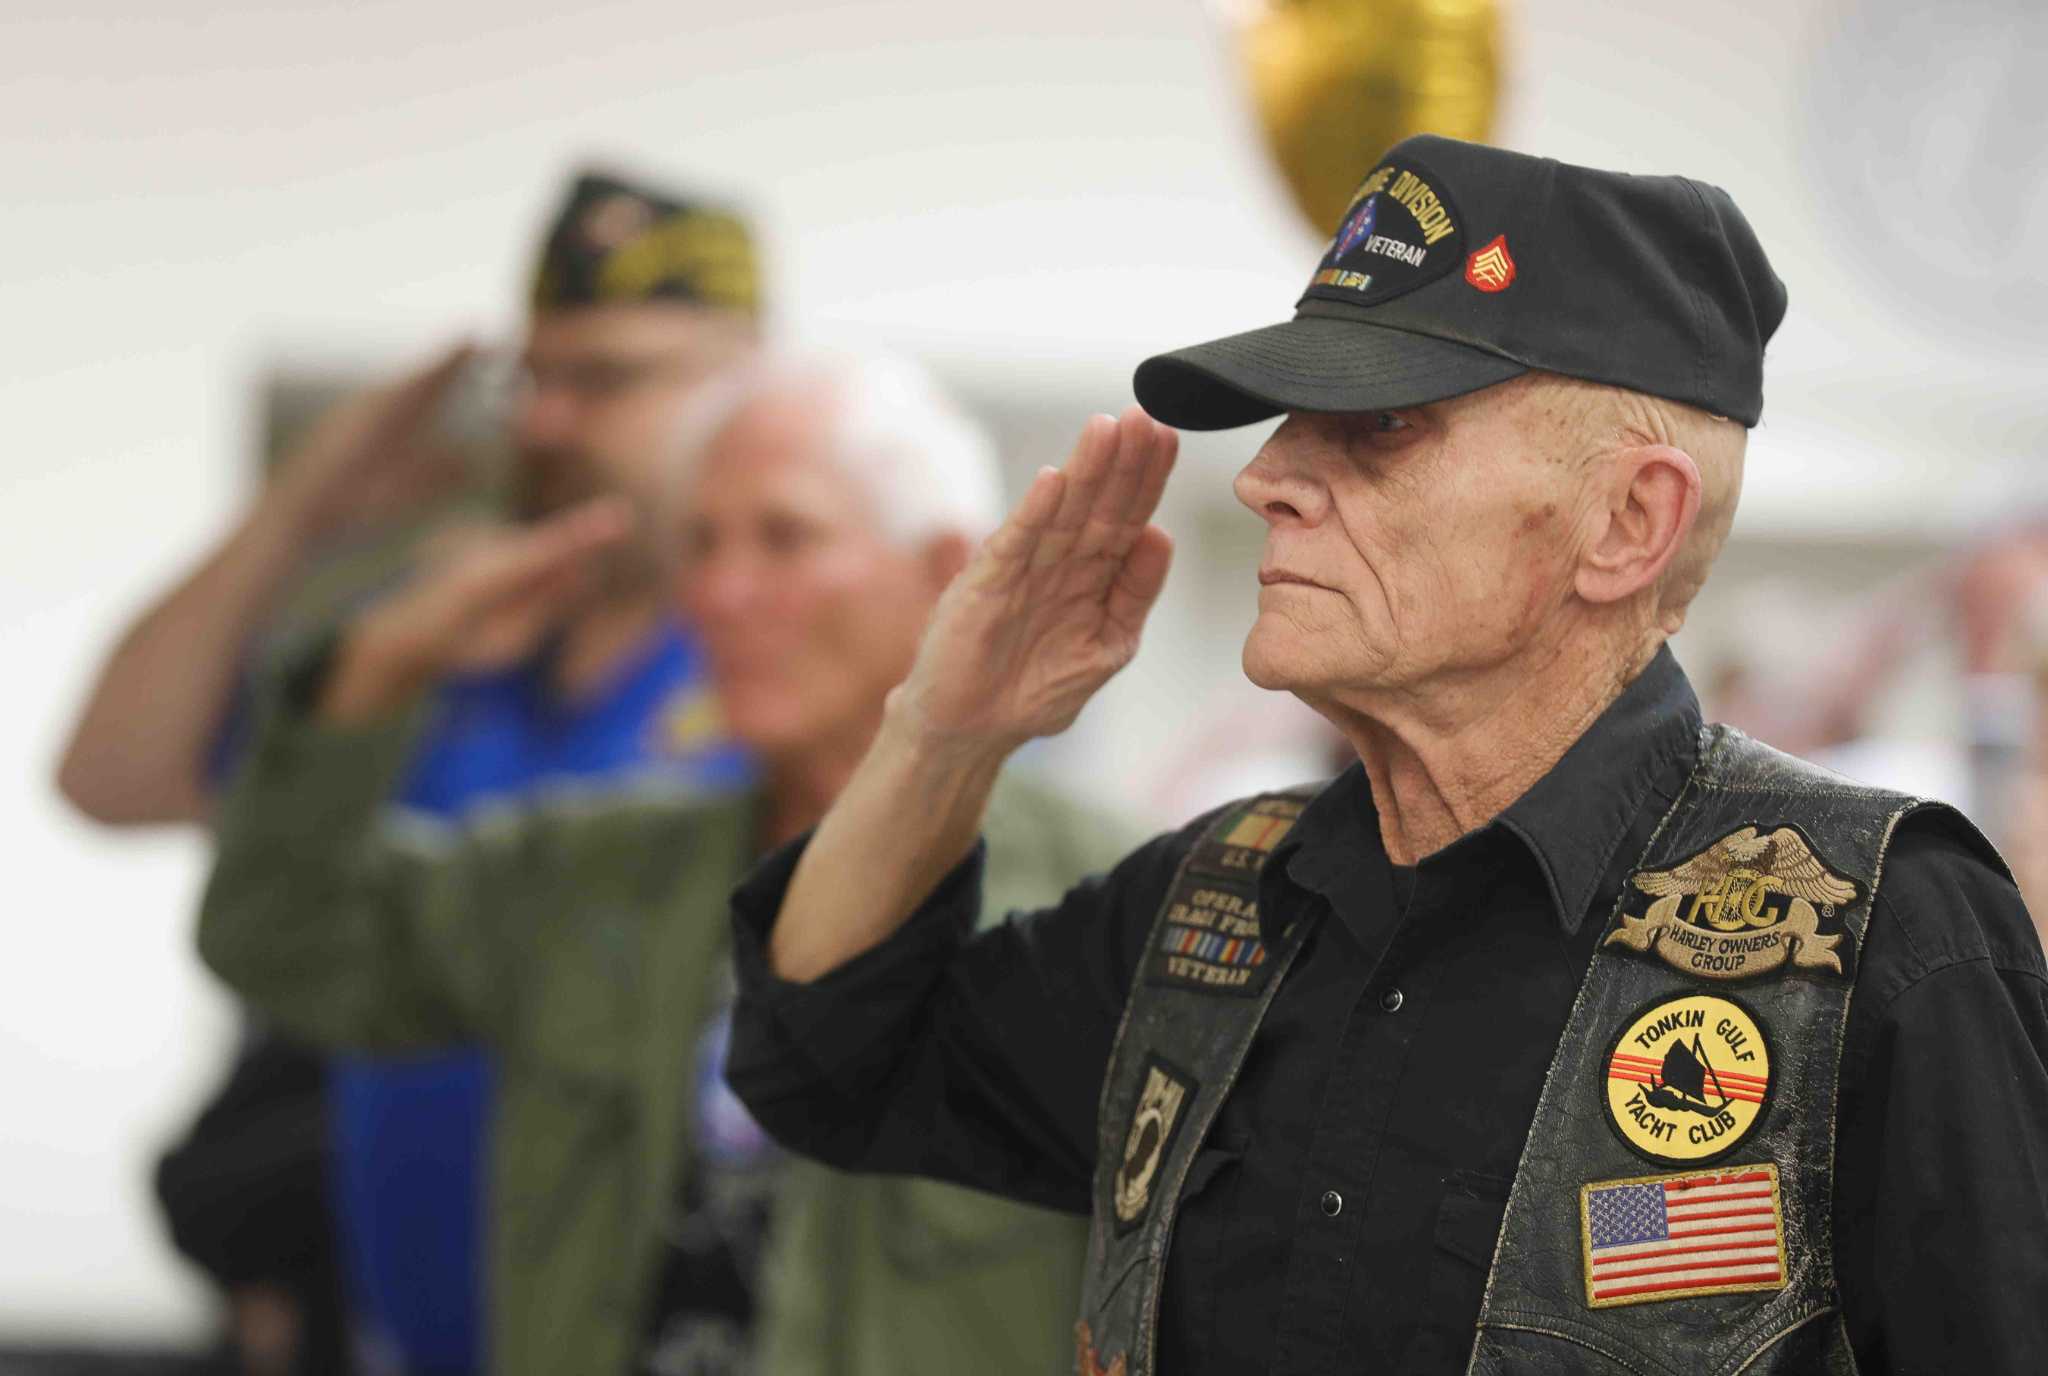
{"points": [[1311, 363]]}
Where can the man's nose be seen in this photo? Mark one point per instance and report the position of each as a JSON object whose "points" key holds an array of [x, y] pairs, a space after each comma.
{"points": [[1278, 487], [725, 585], [544, 416]]}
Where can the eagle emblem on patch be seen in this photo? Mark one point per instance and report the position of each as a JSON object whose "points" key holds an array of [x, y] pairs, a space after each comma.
{"points": [[1162, 1101], [1664, 1237], [1751, 903]]}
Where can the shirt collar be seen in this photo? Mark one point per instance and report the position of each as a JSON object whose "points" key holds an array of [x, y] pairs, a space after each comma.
{"points": [[1570, 821]]}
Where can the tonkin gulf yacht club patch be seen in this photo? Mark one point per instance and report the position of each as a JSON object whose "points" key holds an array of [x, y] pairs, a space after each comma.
{"points": [[1755, 902]]}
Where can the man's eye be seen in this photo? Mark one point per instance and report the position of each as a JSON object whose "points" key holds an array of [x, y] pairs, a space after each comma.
{"points": [[1387, 423]]}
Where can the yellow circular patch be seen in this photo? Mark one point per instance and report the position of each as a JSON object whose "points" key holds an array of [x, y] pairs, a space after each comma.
{"points": [[1688, 1078]]}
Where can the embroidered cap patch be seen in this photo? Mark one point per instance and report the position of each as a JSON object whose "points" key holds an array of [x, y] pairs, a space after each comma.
{"points": [[1162, 1101], [1687, 1079], [1664, 1237], [1745, 906]]}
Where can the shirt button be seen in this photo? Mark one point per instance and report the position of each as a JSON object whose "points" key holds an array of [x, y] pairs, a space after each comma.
{"points": [[1333, 1203], [1391, 1000]]}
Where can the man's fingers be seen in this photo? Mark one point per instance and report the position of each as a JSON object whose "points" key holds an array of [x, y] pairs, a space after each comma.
{"points": [[1014, 540], [533, 556], [1161, 448], [1086, 470], [409, 401], [1137, 585], [1127, 470]]}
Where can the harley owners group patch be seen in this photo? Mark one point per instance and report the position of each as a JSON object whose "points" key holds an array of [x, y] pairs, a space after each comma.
{"points": [[1688, 1078], [1745, 906], [1664, 1237], [1162, 1101]]}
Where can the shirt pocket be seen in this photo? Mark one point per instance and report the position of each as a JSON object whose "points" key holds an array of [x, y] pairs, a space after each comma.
{"points": [[1468, 1221]]}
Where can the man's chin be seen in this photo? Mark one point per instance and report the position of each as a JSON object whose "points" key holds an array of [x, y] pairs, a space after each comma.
{"points": [[1273, 661]]}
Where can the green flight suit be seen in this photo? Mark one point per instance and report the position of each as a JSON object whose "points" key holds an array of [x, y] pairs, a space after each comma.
{"points": [[582, 939]]}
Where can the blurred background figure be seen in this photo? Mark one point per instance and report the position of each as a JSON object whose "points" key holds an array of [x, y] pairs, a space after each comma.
{"points": [[820, 510], [637, 295]]}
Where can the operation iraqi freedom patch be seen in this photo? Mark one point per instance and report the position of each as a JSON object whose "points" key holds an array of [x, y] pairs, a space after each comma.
{"points": [[1687, 1079], [1208, 938], [1664, 1237], [1745, 906], [1162, 1102]]}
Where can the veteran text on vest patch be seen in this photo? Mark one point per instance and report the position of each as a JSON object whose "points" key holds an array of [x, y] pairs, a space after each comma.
{"points": [[1208, 938], [1752, 903]]}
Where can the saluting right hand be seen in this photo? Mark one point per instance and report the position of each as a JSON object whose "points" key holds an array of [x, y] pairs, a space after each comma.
{"points": [[485, 608], [1053, 603], [374, 456]]}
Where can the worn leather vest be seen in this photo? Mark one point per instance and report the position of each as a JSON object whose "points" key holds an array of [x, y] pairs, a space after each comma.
{"points": [[1671, 1212]]}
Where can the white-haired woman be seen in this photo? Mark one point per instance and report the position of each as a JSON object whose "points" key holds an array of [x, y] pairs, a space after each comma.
{"points": [[819, 506]]}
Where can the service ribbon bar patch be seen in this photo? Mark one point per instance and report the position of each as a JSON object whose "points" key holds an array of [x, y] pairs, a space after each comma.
{"points": [[1238, 844], [1664, 1237]]}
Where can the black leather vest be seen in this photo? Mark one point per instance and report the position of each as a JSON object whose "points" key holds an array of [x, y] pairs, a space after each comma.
{"points": [[1671, 1212]]}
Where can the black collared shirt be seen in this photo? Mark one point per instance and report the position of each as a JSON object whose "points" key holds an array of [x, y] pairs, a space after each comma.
{"points": [[1342, 1213]]}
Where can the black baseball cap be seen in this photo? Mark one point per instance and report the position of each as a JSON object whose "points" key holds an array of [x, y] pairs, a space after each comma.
{"points": [[1458, 266], [617, 239]]}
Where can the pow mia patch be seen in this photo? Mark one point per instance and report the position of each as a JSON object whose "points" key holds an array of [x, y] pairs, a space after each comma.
{"points": [[1162, 1102], [1687, 1079], [1747, 905]]}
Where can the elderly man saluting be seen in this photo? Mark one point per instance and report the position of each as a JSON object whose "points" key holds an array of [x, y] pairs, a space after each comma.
{"points": [[1527, 1044], [824, 504]]}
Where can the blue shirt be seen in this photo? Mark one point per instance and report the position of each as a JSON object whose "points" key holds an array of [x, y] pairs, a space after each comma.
{"points": [[408, 1135]]}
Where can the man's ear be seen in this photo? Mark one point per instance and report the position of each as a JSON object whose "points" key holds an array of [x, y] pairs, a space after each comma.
{"points": [[1652, 500], [944, 556]]}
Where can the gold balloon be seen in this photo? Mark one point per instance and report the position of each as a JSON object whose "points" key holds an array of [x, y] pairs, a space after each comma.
{"points": [[1336, 82]]}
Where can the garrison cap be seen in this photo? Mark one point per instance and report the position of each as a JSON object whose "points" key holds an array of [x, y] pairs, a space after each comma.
{"points": [[1459, 265], [614, 241]]}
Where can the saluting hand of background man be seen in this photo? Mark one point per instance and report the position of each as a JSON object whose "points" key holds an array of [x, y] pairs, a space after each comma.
{"points": [[1049, 608], [487, 607]]}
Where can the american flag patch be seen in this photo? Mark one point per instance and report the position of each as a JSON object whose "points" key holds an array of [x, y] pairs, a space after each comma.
{"points": [[1663, 1237]]}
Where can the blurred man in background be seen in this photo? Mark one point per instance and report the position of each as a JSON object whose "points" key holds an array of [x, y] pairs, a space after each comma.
{"points": [[637, 296], [820, 510]]}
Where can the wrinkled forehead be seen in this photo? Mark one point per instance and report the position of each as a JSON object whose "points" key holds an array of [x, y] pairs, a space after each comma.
{"points": [[635, 329], [775, 451]]}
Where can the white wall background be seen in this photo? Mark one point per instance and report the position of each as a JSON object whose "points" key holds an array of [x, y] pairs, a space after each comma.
{"points": [[1040, 192]]}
